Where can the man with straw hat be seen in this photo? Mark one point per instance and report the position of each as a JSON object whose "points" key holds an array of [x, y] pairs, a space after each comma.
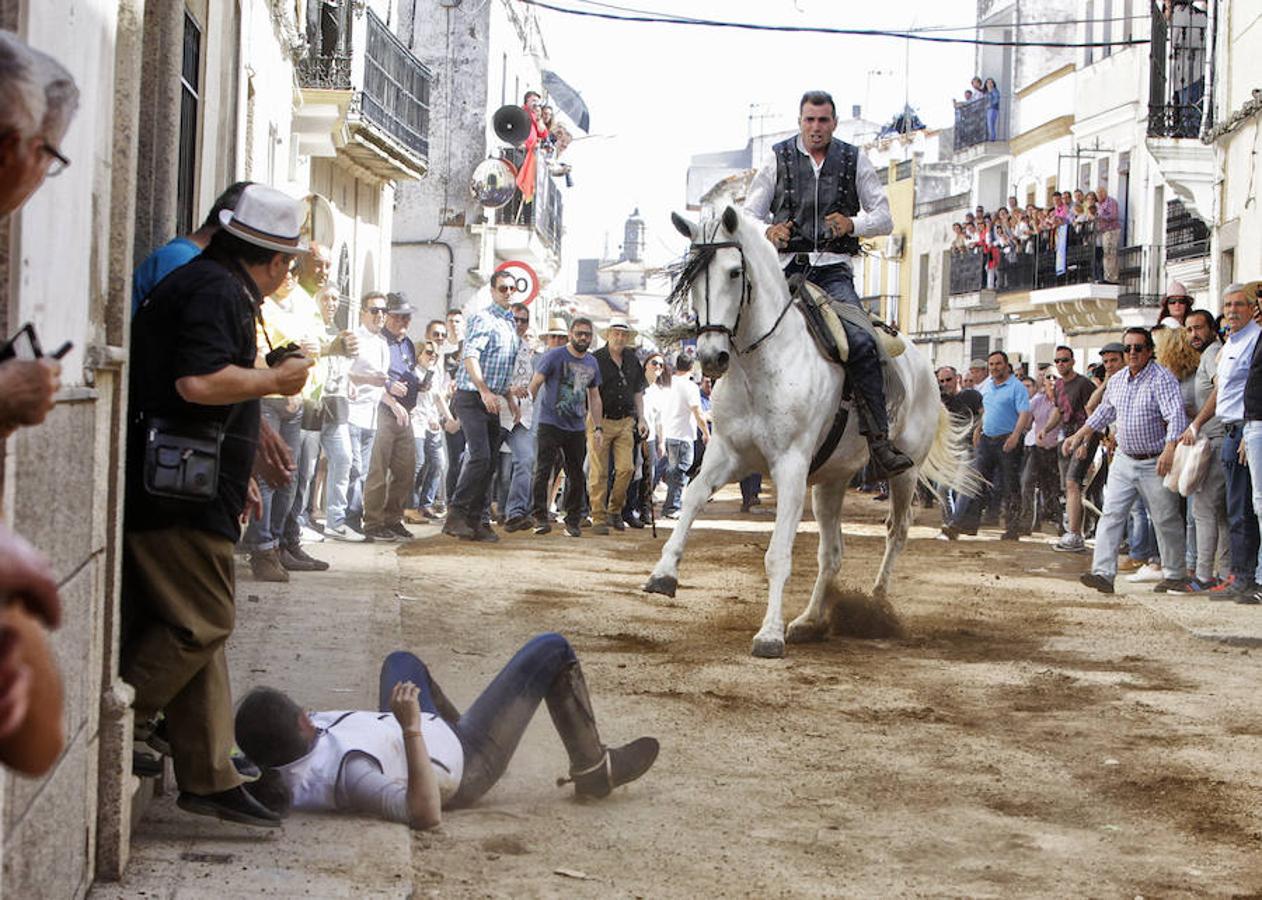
{"points": [[622, 386]]}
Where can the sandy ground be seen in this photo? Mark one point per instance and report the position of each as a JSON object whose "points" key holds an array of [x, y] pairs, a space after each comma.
{"points": [[1011, 734]]}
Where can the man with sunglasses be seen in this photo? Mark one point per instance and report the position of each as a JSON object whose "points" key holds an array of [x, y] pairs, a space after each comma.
{"points": [[393, 465], [1146, 402], [1073, 391], [368, 375], [1227, 401], [490, 352]]}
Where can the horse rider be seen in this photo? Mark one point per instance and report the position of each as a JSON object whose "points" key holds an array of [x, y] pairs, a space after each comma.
{"points": [[821, 195]]}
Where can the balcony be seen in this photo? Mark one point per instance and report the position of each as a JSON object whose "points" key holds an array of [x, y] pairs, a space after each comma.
{"points": [[926, 208], [1139, 269], [1178, 107], [1187, 237], [366, 97], [540, 222], [972, 139]]}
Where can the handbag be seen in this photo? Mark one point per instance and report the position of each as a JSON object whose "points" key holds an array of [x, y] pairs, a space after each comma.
{"points": [[182, 459], [1196, 462], [334, 410]]}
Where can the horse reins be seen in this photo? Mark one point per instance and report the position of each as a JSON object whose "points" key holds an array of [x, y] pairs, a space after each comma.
{"points": [[747, 293]]}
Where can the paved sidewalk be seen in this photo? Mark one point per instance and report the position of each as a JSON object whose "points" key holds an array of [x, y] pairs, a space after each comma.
{"points": [[320, 637]]}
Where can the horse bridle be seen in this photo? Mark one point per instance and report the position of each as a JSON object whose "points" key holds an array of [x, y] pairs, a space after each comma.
{"points": [[747, 293]]}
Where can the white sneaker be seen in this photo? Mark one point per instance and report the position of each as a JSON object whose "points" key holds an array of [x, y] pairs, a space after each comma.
{"points": [[343, 534], [1150, 572], [309, 535], [1070, 542]]}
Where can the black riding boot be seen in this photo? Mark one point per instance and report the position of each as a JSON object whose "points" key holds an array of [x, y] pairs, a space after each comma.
{"points": [[594, 768]]}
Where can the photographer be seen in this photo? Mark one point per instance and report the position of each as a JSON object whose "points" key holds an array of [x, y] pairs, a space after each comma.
{"points": [[194, 411]]}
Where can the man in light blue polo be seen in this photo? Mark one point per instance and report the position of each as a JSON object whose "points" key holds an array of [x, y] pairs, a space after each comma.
{"points": [[997, 438]]}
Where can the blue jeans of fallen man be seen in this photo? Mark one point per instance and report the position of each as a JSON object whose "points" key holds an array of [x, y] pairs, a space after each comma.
{"points": [[1129, 479], [491, 728]]}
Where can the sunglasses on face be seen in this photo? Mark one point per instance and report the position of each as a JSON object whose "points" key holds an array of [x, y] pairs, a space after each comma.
{"points": [[1063, 359], [525, 320], [944, 381], [582, 334], [1135, 348], [376, 310], [1184, 300], [655, 364], [505, 289]]}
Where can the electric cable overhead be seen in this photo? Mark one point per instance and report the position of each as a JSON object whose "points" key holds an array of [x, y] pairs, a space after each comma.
{"points": [[818, 29]]}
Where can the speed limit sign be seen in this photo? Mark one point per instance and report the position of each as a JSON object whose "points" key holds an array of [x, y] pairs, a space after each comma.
{"points": [[524, 278]]}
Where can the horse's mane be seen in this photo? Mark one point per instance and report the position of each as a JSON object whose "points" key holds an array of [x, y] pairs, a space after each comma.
{"points": [[686, 271]]}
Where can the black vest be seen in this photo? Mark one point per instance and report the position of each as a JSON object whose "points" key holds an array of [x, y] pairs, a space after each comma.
{"points": [[800, 199], [1253, 386]]}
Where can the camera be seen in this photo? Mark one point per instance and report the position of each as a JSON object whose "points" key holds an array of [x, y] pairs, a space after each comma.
{"points": [[278, 355]]}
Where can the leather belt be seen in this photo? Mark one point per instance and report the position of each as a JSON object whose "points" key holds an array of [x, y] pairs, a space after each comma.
{"points": [[1140, 457]]}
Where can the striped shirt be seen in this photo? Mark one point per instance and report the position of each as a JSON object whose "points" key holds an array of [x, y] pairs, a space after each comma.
{"points": [[493, 341], [1148, 408]]}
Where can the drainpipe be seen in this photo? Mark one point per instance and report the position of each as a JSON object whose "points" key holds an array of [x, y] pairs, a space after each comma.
{"points": [[1211, 40]]}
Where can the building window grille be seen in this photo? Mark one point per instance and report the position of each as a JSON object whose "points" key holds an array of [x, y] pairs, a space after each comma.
{"points": [[190, 97]]}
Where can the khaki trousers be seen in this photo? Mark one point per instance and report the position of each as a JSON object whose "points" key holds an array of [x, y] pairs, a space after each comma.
{"points": [[391, 471], [620, 441], [178, 594]]}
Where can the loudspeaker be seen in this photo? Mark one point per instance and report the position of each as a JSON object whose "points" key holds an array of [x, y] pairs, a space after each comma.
{"points": [[511, 124]]}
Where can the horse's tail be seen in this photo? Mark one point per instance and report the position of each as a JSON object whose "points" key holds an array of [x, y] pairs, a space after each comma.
{"points": [[948, 461]]}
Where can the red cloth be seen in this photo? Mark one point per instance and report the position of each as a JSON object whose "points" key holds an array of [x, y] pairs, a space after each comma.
{"points": [[527, 173]]}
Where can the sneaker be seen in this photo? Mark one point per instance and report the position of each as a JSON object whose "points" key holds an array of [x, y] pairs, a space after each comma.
{"points": [[1196, 586], [1151, 572], [266, 566], [587, 522], [571, 530], [1070, 542], [380, 533], [1101, 583], [309, 535], [1128, 565], [485, 534], [517, 523], [430, 513], [1171, 586], [295, 559], [400, 531], [457, 528], [543, 526], [670, 514], [1251, 599], [342, 533], [414, 517], [634, 521], [234, 805], [1230, 589], [600, 528], [949, 533], [616, 523], [358, 528]]}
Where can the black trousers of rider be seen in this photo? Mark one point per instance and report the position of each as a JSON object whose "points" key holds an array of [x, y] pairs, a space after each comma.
{"points": [[864, 365]]}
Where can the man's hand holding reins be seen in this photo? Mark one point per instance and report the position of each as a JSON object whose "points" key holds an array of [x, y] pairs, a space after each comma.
{"points": [[839, 225], [780, 233]]}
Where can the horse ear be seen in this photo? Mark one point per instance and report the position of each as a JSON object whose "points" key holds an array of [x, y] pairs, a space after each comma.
{"points": [[683, 226], [730, 219]]}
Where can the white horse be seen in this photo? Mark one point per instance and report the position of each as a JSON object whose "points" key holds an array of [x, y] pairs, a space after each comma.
{"points": [[774, 407]]}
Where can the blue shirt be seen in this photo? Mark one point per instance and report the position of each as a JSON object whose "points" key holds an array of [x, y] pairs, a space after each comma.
{"points": [[563, 397], [493, 341], [158, 265], [1233, 370], [1003, 405], [402, 366]]}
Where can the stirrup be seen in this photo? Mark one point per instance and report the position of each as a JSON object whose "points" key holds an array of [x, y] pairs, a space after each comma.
{"points": [[602, 763]]}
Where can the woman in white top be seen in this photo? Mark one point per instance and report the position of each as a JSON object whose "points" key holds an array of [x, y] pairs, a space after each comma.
{"points": [[418, 755]]}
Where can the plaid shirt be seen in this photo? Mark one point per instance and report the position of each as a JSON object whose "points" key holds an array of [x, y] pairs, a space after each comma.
{"points": [[493, 342], [1148, 408]]}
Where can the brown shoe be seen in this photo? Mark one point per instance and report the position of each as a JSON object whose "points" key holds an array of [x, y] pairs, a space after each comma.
{"points": [[414, 517], [265, 564]]}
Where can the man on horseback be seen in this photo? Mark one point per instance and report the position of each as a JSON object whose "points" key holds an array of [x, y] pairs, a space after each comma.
{"points": [[821, 195]]}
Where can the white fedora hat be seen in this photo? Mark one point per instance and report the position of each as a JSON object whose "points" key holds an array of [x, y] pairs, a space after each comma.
{"points": [[620, 323], [267, 218], [556, 328]]}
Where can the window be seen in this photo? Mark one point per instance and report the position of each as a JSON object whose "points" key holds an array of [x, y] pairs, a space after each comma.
{"points": [[1107, 32], [1089, 52], [922, 289], [190, 87], [979, 346], [1084, 177]]}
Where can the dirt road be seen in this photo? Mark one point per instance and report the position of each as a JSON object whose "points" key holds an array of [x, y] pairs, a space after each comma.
{"points": [[1021, 737]]}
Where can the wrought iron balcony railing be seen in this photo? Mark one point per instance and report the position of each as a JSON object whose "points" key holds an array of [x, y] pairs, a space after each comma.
{"points": [[1177, 57], [1187, 237], [942, 205], [546, 213], [970, 125], [394, 95], [1043, 260]]}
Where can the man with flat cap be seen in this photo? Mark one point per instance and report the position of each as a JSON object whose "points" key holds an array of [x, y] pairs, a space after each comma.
{"points": [[192, 432]]}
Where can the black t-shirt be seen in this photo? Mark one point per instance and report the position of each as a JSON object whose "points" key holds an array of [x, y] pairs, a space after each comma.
{"points": [[1071, 400], [967, 402], [618, 386], [200, 319]]}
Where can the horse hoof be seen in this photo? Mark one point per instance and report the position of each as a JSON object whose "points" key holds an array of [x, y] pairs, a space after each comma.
{"points": [[662, 584], [806, 632], [768, 648]]}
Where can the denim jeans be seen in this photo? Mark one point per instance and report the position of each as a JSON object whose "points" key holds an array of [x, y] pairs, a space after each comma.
{"points": [[1141, 536], [989, 461], [1128, 479], [678, 462], [1252, 437], [1242, 522], [750, 486], [491, 728], [567, 449], [482, 446], [431, 455], [306, 458], [361, 456], [265, 532], [335, 441], [517, 472]]}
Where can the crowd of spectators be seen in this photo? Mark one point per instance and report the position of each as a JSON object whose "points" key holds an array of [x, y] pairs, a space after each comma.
{"points": [[984, 96], [1011, 235], [1156, 449]]}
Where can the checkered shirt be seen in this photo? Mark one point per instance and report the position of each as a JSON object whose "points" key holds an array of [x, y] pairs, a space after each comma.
{"points": [[1148, 408], [493, 341]]}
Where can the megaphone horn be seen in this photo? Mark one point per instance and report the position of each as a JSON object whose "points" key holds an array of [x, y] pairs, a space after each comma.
{"points": [[511, 124]]}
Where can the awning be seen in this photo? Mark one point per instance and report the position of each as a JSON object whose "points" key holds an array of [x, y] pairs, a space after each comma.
{"points": [[568, 100]]}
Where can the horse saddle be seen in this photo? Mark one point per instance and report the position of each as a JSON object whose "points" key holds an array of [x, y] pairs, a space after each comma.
{"points": [[824, 318]]}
